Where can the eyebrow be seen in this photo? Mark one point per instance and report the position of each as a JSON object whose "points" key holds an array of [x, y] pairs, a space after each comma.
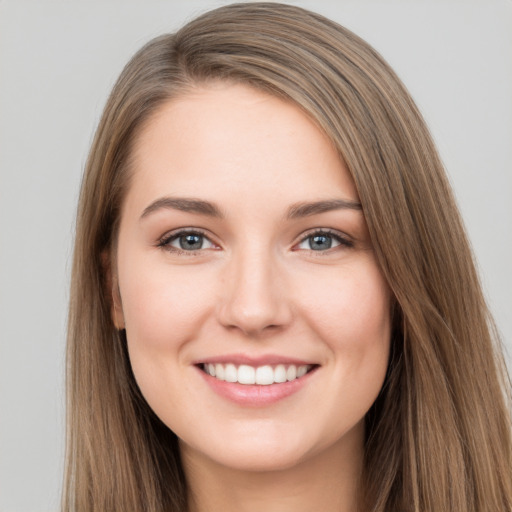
{"points": [[299, 210], [201, 207], [185, 205]]}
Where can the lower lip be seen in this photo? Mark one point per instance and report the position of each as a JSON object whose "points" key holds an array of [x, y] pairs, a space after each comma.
{"points": [[253, 395]]}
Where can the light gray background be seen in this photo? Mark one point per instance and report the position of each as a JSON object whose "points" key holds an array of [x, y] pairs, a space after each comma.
{"points": [[58, 61]]}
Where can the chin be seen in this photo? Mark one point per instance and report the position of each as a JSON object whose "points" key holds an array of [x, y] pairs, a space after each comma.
{"points": [[255, 458], [258, 445], [265, 448]]}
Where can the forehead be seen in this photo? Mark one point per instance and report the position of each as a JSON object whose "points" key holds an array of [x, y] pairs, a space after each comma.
{"points": [[225, 139]]}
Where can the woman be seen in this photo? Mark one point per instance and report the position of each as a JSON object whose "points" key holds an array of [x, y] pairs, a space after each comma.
{"points": [[274, 305]]}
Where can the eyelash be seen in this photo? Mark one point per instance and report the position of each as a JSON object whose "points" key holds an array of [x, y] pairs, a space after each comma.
{"points": [[343, 241], [166, 240]]}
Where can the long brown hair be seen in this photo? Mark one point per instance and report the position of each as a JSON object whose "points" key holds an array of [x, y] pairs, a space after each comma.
{"points": [[439, 434]]}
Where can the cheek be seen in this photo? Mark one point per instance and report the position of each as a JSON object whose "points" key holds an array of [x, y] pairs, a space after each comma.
{"points": [[364, 347], [164, 308], [351, 315], [351, 306], [163, 305]]}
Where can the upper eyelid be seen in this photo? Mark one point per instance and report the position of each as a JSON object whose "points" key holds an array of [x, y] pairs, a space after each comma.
{"points": [[169, 235], [165, 241], [328, 231]]}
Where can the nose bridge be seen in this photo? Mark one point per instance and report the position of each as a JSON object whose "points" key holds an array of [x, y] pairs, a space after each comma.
{"points": [[253, 298]]}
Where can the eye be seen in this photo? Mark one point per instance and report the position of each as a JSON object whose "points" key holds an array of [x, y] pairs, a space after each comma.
{"points": [[186, 241], [322, 241]]}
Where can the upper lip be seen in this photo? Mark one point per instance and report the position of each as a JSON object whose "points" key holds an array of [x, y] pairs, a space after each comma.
{"points": [[262, 360]]}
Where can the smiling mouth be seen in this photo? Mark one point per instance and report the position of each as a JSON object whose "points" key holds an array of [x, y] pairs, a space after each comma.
{"points": [[259, 375]]}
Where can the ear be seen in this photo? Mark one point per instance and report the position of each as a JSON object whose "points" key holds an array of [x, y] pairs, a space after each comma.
{"points": [[112, 290]]}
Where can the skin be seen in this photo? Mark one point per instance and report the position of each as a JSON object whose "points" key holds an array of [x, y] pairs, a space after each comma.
{"points": [[255, 287]]}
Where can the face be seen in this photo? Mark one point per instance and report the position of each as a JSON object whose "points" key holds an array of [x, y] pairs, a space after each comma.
{"points": [[257, 319]]}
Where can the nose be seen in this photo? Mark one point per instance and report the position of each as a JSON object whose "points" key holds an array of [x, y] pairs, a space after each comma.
{"points": [[254, 297]]}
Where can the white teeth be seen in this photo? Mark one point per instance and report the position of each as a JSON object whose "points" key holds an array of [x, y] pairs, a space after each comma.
{"points": [[246, 374], [280, 373], [301, 371], [291, 373], [264, 375], [261, 375], [231, 374], [219, 371]]}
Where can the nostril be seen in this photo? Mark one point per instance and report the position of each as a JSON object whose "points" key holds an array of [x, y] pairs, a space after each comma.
{"points": [[253, 301]]}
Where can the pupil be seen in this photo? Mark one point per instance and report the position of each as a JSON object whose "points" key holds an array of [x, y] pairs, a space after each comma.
{"points": [[189, 242], [320, 242]]}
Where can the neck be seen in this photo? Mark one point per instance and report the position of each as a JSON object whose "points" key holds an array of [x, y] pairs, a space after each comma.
{"points": [[328, 481]]}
